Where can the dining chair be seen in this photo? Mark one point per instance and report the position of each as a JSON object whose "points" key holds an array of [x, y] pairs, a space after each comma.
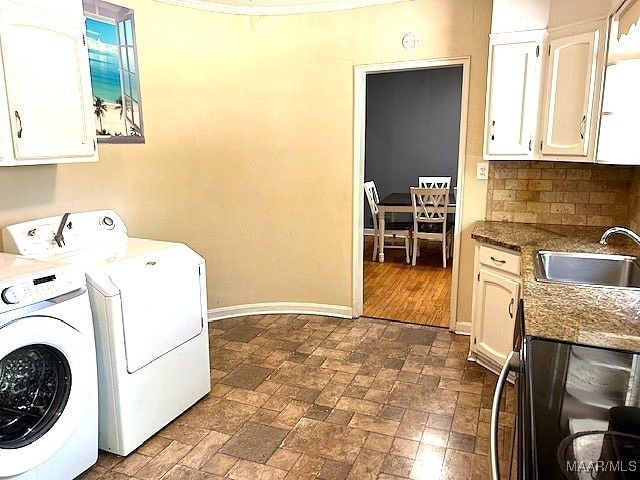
{"points": [[440, 182], [400, 230], [430, 219], [434, 182]]}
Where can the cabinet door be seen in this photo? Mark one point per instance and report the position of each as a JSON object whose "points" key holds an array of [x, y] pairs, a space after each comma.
{"points": [[48, 87], [512, 95], [494, 315], [6, 155], [573, 72], [6, 150], [620, 115]]}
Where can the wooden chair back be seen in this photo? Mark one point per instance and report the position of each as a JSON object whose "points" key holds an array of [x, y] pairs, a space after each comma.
{"points": [[372, 197], [434, 182], [429, 205]]}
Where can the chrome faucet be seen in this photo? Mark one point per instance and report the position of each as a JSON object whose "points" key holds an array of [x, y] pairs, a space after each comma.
{"points": [[624, 230]]}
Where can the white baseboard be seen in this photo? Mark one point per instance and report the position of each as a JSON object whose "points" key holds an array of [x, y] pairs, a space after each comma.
{"points": [[280, 308], [463, 328]]}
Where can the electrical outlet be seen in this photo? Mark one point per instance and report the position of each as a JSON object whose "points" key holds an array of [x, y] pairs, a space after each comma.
{"points": [[483, 171]]}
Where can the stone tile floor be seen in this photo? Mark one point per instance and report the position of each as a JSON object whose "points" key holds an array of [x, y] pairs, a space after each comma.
{"points": [[305, 397]]}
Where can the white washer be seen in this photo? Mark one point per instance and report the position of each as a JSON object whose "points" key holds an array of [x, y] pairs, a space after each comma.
{"points": [[48, 388], [148, 300]]}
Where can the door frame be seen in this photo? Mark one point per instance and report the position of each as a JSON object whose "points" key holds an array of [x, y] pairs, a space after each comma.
{"points": [[359, 121]]}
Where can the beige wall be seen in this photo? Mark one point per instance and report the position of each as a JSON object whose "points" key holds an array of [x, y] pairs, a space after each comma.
{"points": [[249, 143]]}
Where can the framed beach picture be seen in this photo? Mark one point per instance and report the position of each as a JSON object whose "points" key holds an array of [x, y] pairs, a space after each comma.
{"points": [[114, 72]]}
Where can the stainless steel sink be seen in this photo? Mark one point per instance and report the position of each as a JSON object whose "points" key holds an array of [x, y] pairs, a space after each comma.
{"points": [[591, 269]]}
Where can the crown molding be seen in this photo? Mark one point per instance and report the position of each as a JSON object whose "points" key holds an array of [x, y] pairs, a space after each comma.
{"points": [[301, 8]]}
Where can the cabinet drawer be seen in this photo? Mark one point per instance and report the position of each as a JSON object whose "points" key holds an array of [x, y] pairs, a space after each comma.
{"points": [[499, 259]]}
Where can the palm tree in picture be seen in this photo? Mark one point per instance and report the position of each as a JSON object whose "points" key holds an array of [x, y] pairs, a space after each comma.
{"points": [[100, 110], [119, 105]]}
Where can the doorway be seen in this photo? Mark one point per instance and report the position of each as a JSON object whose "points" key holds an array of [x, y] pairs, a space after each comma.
{"points": [[363, 75]]}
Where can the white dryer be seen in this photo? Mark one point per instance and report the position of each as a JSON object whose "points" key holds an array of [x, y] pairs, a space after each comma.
{"points": [[48, 388], [148, 300]]}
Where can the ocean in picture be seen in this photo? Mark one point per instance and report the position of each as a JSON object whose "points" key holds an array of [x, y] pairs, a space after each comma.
{"points": [[105, 75]]}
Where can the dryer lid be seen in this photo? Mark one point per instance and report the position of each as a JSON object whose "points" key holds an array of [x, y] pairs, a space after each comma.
{"points": [[104, 256], [162, 302]]}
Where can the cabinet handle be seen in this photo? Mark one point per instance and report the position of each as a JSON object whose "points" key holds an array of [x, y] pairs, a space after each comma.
{"points": [[511, 303], [583, 125], [499, 262], [19, 123], [493, 128]]}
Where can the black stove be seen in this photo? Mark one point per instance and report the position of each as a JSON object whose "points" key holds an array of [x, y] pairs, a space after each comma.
{"points": [[579, 412]]}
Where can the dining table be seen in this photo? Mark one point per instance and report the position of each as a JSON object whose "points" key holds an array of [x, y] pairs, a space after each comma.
{"points": [[400, 202]]}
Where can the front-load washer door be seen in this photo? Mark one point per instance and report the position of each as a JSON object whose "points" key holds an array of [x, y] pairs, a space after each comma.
{"points": [[161, 303], [47, 372]]}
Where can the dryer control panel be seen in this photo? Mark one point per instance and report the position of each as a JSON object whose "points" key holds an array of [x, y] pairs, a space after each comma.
{"points": [[68, 233]]}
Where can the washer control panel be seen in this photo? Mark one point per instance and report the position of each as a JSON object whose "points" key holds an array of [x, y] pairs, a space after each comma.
{"points": [[26, 291], [32, 287]]}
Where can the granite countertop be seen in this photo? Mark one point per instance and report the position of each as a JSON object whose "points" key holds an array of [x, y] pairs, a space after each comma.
{"points": [[608, 317]]}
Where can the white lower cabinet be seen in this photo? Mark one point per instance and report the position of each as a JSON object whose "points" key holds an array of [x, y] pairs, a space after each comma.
{"points": [[496, 294], [47, 116]]}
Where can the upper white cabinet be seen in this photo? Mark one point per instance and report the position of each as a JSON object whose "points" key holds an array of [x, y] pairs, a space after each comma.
{"points": [[620, 113], [543, 94], [552, 99], [48, 114], [618, 142], [571, 92], [512, 95]]}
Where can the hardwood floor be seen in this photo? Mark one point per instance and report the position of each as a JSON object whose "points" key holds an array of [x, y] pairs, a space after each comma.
{"points": [[394, 290]]}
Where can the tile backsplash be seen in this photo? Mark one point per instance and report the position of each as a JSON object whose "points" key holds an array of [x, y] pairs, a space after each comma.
{"points": [[563, 193]]}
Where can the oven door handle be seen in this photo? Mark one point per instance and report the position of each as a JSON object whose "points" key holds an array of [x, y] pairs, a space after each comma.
{"points": [[512, 363]]}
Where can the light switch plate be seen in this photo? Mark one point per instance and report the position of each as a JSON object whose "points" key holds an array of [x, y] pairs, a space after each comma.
{"points": [[483, 171]]}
